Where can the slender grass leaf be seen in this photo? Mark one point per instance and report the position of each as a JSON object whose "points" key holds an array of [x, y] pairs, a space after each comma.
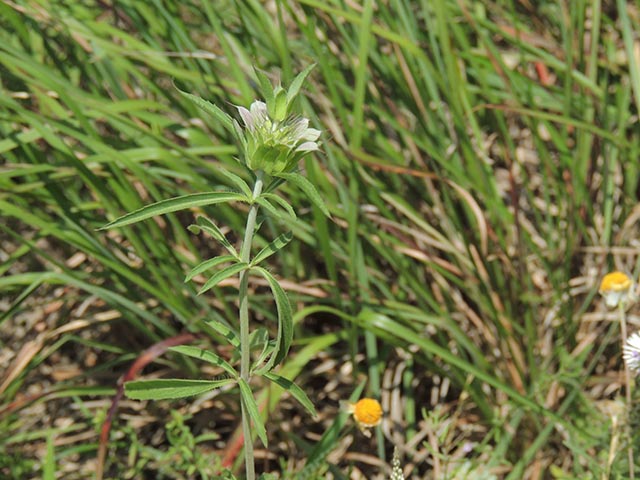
{"points": [[18, 301], [122, 302], [171, 388], [294, 390], [49, 463], [309, 190], [330, 438], [207, 264], [385, 323], [206, 356], [173, 205], [252, 410], [285, 321], [278, 243], [223, 275]]}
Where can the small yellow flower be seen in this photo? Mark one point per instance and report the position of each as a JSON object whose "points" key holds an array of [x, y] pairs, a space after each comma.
{"points": [[367, 413], [616, 288]]}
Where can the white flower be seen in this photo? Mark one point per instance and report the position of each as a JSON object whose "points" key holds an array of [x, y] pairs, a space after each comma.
{"points": [[255, 117], [273, 146], [631, 352], [616, 288]]}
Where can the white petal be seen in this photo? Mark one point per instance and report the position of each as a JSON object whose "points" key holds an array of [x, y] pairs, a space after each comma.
{"points": [[311, 134], [298, 129], [634, 341], [259, 109], [612, 298], [247, 118], [307, 147]]}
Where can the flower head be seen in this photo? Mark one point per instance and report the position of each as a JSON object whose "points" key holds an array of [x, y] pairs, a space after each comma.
{"points": [[616, 288], [275, 146], [367, 413], [631, 352]]}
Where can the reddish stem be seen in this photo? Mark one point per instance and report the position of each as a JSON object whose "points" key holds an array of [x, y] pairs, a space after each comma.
{"points": [[144, 359]]}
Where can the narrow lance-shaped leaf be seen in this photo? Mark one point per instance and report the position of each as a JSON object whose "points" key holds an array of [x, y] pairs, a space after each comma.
{"points": [[237, 181], [297, 82], [225, 331], [171, 388], [206, 356], [287, 214], [213, 110], [309, 190], [273, 211], [259, 361], [252, 409], [207, 264], [294, 390], [212, 229], [283, 203], [285, 322], [223, 275], [265, 87], [173, 205], [280, 105], [279, 242], [260, 338]]}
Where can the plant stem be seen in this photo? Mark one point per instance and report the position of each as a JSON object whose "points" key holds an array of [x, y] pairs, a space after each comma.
{"points": [[627, 379], [245, 349]]}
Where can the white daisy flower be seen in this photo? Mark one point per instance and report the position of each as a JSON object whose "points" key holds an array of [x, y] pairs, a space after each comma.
{"points": [[616, 288], [631, 352]]}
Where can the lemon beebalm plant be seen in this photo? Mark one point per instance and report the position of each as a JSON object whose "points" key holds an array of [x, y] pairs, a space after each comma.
{"points": [[272, 141]]}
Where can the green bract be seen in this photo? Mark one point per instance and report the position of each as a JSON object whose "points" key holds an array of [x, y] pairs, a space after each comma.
{"points": [[275, 146]]}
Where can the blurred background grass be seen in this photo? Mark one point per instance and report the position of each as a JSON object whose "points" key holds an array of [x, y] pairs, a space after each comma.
{"points": [[480, 162]]}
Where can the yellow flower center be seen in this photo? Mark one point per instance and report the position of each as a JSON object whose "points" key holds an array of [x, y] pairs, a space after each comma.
{"points": [[367, 412], [615, 282]]}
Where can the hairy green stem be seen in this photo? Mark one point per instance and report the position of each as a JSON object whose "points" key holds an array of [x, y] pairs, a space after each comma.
{"points": [[245, 350], [627, 379]]}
